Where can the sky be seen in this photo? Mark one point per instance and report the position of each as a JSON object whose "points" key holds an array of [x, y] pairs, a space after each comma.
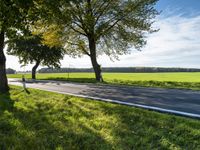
{"points": [[176, 44]]}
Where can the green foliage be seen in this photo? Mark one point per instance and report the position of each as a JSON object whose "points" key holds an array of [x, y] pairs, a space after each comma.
{"points": [[115, 26], [44, 120], [50, 34], [29, 48], [13, 14], [93, 28]]}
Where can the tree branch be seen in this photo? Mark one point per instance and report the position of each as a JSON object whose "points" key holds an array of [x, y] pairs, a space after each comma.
{"points": [[75, 30], [118, 20], [79, 18], [101, 11], [110, 27], [86, 52]]}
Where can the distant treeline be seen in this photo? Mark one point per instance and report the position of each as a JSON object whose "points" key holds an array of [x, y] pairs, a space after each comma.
{"points": [[119, 69], [10, 71]]}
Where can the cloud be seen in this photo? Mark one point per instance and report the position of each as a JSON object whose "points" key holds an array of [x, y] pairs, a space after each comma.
{"points": [[177, 44]]}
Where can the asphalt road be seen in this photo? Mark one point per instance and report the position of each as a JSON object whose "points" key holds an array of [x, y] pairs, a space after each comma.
{"points": [[174, 100]]}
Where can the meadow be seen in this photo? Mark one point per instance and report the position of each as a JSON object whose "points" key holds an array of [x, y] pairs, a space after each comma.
{"points": [[44, 120], [164, 80]]}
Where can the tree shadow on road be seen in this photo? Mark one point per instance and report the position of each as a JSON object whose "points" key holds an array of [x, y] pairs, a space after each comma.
{"points": [[80, 80]]}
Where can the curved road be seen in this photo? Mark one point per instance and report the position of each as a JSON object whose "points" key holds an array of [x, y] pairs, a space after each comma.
{"points": [[181, 102]]}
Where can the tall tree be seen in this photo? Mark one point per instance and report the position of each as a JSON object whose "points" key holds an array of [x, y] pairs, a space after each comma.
{"points": [[31, 49], [111, 27], [12, 15]]}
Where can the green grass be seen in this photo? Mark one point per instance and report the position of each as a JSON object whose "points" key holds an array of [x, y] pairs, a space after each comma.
{"points": [[164, 80], [44, 120], [177, 77]]}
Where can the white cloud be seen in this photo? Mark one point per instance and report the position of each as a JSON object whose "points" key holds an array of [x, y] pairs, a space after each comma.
{"points": [[177, 44]]}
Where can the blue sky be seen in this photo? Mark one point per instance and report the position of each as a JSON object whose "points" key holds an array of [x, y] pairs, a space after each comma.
{"points": [[184, 5], [177, 44]]}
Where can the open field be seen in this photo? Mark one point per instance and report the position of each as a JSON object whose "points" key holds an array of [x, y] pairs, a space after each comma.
{"points": [[177, 77], [165, 80], [44, 120]]}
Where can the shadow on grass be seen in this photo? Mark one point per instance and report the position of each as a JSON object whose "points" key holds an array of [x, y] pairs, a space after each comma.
{"points": [[143, 129], [42, 120], [6, 103], [26, 91], [43, 125]]}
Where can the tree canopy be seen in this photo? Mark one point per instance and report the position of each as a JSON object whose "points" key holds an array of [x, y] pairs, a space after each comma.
{"points": [[96, 27], [13, 14], [30, 49]]}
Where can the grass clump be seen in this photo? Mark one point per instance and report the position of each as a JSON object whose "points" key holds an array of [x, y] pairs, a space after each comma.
{"points": [[45, 120]]}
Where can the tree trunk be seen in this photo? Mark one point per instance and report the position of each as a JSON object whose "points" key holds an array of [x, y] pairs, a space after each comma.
{"points": [[34, 69], [93, 57], [3, 78]]}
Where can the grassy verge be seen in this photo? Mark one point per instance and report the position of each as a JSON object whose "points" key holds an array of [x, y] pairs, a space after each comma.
{"points": [[45, 120], [160, 84], [163, 80]]}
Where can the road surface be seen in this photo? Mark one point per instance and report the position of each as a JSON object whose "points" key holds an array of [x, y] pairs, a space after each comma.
{"points": [[181, 102]]}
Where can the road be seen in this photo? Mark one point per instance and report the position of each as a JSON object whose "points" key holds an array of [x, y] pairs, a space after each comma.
{"points": [[181, 102]]}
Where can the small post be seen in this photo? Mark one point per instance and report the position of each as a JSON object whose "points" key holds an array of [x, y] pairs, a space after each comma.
{"points": [[101, 78], [24, 82], [68, 72]]}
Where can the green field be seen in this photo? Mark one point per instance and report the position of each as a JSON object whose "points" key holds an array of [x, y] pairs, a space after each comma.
{"points": [[44, 120], [165, 80], [178, 77]]}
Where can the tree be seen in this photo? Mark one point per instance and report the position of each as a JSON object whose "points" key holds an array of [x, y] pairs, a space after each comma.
{"points": [[111, 27], [12, 15], [30, 49]]}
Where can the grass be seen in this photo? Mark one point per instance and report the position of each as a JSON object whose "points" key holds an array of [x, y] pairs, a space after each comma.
{"points": [[45, 120], [164, 80]]}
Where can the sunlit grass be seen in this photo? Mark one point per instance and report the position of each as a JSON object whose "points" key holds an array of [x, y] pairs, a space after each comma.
{"points": [[44, 120], [177, 77]]}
